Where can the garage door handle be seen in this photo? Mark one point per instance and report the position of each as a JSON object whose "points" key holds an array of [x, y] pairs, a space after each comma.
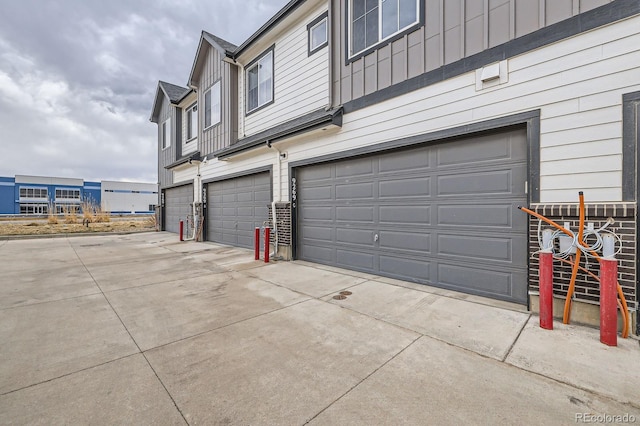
{"points": [[375, 237]]}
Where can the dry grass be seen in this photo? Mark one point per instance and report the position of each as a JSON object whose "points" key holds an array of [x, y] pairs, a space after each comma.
{"points": [[43, 227], [70, 214]]}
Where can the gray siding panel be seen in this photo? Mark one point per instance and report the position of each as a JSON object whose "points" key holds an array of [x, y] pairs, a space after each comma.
{"points": [[225, 133], [166, 156], [437, 214]]}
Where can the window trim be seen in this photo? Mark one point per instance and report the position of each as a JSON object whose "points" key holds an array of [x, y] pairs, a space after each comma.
{"points": [[165, 141], [270, 50], [190, 110], [349, 57], [311, 26], [217, 83]]}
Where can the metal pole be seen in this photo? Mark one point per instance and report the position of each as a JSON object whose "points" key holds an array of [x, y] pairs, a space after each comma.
{"points": [[181, 230]]}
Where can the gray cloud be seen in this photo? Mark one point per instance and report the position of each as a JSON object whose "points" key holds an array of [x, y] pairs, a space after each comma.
{"points": [[78, 77]]}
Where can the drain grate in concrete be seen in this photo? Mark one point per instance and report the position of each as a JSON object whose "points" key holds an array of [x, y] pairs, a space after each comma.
{"points": [[346, 293], [339, 297]]}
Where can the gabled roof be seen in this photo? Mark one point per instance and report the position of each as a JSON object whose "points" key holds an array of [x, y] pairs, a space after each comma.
{"points": [[224, 47], [172, 92]]}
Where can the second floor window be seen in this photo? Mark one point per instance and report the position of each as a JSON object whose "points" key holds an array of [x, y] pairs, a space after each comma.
{"points": [[166, 134], [372, 21], [192, 122], [260, 82], [33, 193], [318, 36], [212, 106], [67, 194]]}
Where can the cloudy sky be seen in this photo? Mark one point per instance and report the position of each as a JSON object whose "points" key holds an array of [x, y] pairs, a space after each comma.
{"points": [[78, 78]]}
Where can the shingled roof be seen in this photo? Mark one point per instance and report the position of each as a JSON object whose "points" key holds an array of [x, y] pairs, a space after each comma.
{"points": [[173, 92], [229, 47]]}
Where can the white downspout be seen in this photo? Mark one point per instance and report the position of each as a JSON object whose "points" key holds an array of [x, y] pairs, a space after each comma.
{"points": [[278, 194]]}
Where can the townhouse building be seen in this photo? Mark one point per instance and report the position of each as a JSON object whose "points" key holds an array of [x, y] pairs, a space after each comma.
{"points": [[398, 137]]}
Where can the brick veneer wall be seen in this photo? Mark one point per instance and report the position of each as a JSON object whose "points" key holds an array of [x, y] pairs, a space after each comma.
{"points": [[283, 218], [587, 289]]}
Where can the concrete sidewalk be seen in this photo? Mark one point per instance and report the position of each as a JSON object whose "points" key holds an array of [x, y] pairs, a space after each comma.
{"points": [[143, 329]]}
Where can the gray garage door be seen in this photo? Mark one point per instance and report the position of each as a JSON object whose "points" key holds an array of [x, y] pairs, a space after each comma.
{"points": [[444, 215], [236, 207], [177, 205]]}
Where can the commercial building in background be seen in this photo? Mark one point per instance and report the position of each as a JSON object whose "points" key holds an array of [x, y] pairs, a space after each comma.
{"points": [[40, 195], [399, 137]]}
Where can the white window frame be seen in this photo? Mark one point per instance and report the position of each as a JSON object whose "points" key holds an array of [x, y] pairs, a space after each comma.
{"points": [[322, 20], [259, 63], [165, 131], [192, 122], [380, 37], [215, 104]]}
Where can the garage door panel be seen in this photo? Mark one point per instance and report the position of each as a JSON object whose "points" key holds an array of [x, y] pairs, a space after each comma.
{"points": [[355, 236], [445, 214], [489, 149], [405, 241], [354, 191], [236, 207], [409, 187], [358, 167], [357, 259], [318, 253], [316, 213], [476, 216], [355, 214], [415, 159], [413, 269], [315, 232], [320, 193], [419, 215]]}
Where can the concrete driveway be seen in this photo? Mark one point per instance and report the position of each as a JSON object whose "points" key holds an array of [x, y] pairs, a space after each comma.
{"points": [[143, 329]]}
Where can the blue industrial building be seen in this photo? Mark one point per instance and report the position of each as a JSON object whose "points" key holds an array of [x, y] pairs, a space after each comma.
{"points": [[39, 195]]}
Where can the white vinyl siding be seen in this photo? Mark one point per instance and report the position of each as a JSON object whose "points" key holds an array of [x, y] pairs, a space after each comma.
{"points": [[577, 84], [301, 82]]}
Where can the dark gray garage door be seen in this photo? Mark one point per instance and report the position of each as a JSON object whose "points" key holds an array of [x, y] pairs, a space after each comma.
{"points": [[236, 207], [444, 214], [177, 205]]}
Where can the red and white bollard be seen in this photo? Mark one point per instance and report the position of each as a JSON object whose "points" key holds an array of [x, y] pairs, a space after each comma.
{"points": [[546, 290], [181, 230]]}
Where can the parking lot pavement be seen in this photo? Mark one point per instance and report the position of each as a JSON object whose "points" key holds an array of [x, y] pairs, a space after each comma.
{"points": [[143, 329]]}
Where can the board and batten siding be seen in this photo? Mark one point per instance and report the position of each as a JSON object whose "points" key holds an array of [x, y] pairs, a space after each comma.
{"points": [[168, 155], [454, 29], [577, 84], [301, 81], [225, 133]]}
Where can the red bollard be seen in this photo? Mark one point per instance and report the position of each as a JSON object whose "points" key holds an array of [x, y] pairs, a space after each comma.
{"points": [[267, 232], [256, 245], [608, 302], [181, 231], [546, 291]]}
